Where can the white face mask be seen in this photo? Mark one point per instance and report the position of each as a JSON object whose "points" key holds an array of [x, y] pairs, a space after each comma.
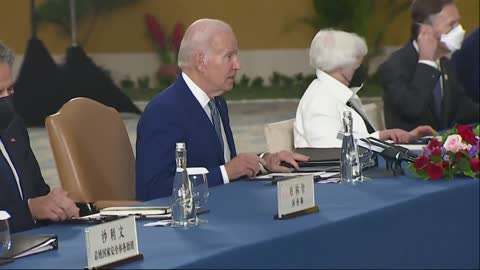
{"points": [[453, 39]]}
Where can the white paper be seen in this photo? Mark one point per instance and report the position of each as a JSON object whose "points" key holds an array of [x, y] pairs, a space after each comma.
{"points": [[196, 170], [271, 175], [158, 223]]}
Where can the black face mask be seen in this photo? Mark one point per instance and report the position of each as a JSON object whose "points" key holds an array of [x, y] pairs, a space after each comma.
{"points": [[7, 112], [359, 77]]}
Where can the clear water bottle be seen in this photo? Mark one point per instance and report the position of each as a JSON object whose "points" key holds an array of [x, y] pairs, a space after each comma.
{"points": [[183, 205], [349, 161], [5, 241]]}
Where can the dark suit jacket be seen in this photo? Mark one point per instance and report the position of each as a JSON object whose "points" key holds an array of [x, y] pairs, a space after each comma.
{"points": [[408, 93], [16, 141], [467, 65], [174, 116]]}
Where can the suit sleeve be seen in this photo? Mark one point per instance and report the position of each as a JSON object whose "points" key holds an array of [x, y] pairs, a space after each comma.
{"points": [[468, 111], [21, 218], [409, 96], [40, 187]]}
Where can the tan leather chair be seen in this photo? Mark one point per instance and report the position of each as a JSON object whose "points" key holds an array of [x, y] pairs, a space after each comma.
{"points": [[279, 135], [92, 151]]}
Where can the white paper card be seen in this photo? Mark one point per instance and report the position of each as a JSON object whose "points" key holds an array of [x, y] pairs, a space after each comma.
{"points": [[295, 195], [110, 242]]}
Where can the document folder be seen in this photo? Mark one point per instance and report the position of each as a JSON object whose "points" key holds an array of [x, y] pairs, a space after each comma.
{"points": [[24, 245], [321, 159]]}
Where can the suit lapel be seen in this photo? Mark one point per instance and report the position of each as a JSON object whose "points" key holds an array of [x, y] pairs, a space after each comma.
{"points": [[9, 140], [199, 118]]}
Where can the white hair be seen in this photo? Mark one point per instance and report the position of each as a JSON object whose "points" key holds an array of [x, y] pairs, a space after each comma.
{"points": [[198, 37], [332, 49], [6, 54]]}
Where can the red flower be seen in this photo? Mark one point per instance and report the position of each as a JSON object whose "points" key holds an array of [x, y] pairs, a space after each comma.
{"points": [[459, 155], [437, 152], [155, 30], [475, 164], [445, 164], [433, 143], [435, 170], [177, 36], [467, 134], [421, 162]]}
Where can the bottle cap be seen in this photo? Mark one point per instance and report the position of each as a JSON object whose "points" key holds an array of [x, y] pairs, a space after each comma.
{"points": [[180, 145], [347, 114]]}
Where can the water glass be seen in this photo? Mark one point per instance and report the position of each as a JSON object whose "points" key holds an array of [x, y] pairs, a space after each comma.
{"points": [[198, 177], [365, 156], [5, 240]]}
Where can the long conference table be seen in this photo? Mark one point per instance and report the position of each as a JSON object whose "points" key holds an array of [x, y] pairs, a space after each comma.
{"points": [[392, 222]]}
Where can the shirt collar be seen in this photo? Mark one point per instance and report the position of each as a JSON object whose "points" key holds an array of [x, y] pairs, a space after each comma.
{"points": [[334, 87], [415, 45], [197, 92]]}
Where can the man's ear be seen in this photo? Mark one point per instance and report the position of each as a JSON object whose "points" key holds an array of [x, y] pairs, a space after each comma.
{"points": [[200, 60]]}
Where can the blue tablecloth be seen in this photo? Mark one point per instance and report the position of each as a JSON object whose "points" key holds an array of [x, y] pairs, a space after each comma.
{"points": [[384, 223]]}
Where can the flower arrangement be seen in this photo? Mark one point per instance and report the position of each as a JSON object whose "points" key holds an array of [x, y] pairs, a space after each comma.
{"points": [[166, 46], [456, 154]]}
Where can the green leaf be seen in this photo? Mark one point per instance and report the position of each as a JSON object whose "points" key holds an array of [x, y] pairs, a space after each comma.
{"points": [[476, 130]]}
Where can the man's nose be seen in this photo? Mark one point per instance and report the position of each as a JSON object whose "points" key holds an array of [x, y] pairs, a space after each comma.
{"points": [[236, 64]]}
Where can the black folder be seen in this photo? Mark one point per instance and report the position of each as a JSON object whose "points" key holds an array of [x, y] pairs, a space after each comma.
{"points": [[321, 159], [24, 245]]}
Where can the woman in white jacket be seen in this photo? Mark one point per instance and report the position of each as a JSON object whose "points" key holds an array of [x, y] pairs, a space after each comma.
{"points": [[337, 57]]}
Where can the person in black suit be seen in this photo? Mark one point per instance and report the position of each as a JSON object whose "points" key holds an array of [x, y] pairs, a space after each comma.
{"points": [[419, 82], [467, 64], [23, 191]]}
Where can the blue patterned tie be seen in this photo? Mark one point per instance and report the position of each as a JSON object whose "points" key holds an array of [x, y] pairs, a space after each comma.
{"points": [[437, 98], [6, 171], [216, 120]]}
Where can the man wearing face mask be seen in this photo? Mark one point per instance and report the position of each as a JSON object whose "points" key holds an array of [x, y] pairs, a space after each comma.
{"points": [[419, 82], [337, 58], [23, 192]]}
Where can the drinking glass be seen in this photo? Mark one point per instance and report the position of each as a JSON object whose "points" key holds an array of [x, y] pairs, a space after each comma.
{"points": [[198, 177], [365, 157], [5, 240]]}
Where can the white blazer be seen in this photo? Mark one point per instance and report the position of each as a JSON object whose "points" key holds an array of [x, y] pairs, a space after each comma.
{"points": [[318, 121]]}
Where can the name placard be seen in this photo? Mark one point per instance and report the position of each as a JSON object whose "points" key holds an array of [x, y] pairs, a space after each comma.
{"points": [[112, 243], [296, 196]]}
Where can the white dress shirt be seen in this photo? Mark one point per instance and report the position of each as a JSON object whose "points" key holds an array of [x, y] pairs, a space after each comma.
{"points": [[320, 111], [203, 99], [4, 152]]}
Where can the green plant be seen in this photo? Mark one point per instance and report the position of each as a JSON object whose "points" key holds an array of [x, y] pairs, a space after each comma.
{"points": [[58, 12], [355, 16]]}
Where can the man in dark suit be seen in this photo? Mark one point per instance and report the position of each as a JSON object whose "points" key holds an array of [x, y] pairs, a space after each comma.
{"points": [[467, 64], [23, 192], [193, 111], [419, 82]]}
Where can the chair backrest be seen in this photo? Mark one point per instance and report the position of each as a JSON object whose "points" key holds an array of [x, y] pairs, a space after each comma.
{"points": [[375, 115], [92, 151], [279, 135]]}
